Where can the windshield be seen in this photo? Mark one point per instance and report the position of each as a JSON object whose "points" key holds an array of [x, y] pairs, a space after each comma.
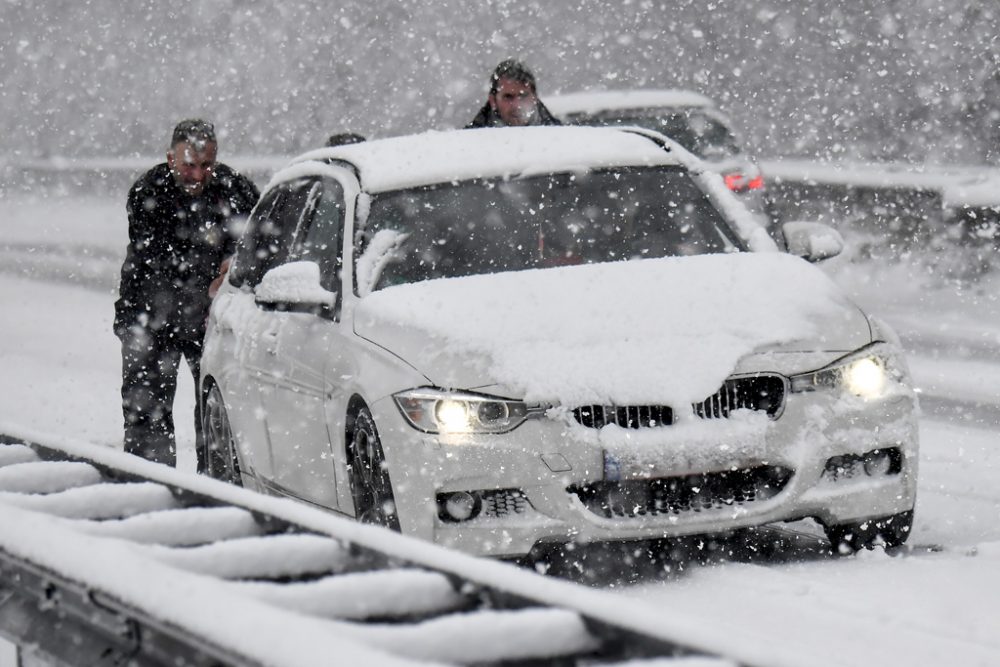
{"points": [[695, 130], [489, 226]]}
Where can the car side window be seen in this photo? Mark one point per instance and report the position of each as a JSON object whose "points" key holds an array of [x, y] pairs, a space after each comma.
{"points": [[246, 249], [320, 237], [267, 241]]}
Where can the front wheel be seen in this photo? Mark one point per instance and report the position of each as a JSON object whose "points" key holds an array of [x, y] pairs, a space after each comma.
{"points": [[889, 531], [370, 485], [218, 460]]}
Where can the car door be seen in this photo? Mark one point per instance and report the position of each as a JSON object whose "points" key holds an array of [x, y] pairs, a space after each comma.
{"points": [[240, 382], [266, 245], [307, 357]]}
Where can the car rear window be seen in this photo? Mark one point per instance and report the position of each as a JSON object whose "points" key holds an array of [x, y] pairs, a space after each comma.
{"points": [[705, 136]]}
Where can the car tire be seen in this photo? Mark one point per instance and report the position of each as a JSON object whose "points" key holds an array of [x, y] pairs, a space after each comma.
{"points": [[218, 460], [890, 531], [371, 487]]}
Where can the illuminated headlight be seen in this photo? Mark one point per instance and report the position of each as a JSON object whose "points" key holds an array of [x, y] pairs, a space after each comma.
{"points": [[441, 411], [866, 373], [865, 377]]}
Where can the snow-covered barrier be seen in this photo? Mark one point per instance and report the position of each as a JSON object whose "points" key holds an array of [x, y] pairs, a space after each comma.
{"points": [[894, 205], [106, 176], [109, 559]]}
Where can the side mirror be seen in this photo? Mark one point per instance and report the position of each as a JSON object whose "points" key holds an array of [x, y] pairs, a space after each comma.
{"points": [[812, 241], [295, 284]]}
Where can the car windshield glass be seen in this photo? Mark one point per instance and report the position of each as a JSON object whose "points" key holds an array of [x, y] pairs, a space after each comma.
{"points": [[489, 226], [693, 129]]}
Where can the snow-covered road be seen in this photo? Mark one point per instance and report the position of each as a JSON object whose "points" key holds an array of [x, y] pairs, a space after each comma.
{"points": [[933, 605]]}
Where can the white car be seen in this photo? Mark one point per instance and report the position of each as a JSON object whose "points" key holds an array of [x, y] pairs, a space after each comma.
{"points": [[498, 338], [689, 118]]}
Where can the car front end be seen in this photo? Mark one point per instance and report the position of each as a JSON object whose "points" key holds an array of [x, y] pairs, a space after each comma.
{"points": [[497, 475], [533, 429], [612, 353]]}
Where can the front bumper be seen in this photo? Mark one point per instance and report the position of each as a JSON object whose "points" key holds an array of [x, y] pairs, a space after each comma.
{"points": [[530, 478]]}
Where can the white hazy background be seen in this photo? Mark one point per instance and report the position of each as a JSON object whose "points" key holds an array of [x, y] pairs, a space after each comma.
{"points": [[858, 79]]}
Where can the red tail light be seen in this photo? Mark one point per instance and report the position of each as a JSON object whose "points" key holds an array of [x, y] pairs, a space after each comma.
{"points": [[737, 182]]}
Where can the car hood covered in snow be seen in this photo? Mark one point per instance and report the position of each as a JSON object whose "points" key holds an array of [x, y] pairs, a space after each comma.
{"points": [[665, 331]]}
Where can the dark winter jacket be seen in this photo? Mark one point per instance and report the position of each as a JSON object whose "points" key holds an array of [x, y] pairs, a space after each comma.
{"points": [[176, 244], [487, 117]]}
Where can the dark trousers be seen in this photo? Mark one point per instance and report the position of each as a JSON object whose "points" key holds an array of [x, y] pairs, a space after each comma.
{"points": [[149, 383]]}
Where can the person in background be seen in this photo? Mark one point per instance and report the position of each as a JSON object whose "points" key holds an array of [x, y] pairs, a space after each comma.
{"points": [[513, 99], [343, 139], [184, 216]]}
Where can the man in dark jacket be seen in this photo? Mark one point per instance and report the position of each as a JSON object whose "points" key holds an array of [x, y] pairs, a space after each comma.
{"points": [[513, 99], [184, 217]]}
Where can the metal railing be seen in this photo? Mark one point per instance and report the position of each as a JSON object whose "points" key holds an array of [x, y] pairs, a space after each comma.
{"points": [[108, 559]]}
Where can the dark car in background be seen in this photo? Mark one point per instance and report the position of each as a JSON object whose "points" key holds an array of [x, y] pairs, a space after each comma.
{"points": [[687, 117]]}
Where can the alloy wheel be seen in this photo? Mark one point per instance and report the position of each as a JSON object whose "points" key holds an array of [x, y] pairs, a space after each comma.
{"points": [[370, 484], [220, 449]]}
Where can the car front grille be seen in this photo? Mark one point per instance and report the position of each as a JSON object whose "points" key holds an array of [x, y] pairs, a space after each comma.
{"points": [[765, 393], [677, 495], [626, 416]]}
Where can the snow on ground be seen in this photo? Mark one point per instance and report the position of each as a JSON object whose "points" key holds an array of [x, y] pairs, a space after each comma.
{"points": [[934, 605], [61, 364], [60, 361], [957, 377], [958, 504], [942, 317], [932, 609]]}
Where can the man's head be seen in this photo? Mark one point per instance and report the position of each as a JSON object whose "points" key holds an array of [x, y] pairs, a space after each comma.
{"points": [[513, 96], [344, 139], [192, 153]]}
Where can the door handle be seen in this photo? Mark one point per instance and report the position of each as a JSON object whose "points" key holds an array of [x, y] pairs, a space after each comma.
{"points": [[270, 340]]}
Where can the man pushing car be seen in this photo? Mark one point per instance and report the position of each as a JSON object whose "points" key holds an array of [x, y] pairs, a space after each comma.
{"points": [[183, 222]]}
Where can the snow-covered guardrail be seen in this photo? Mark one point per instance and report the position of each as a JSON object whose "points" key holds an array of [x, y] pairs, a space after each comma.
{"points": [[106, 176], [109, 559], [909, 204], [958, 184]]}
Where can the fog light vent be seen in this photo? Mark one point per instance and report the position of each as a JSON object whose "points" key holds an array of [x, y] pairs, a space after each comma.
{"points": [[876, 463], [843, 467], [458, 506]]}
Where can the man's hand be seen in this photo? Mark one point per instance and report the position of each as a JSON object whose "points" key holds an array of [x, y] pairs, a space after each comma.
{"points": [[213, 289]]}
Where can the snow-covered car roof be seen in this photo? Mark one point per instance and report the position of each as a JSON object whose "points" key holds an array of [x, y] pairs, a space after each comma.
{"points": [[455, 155], [607, 100]]}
